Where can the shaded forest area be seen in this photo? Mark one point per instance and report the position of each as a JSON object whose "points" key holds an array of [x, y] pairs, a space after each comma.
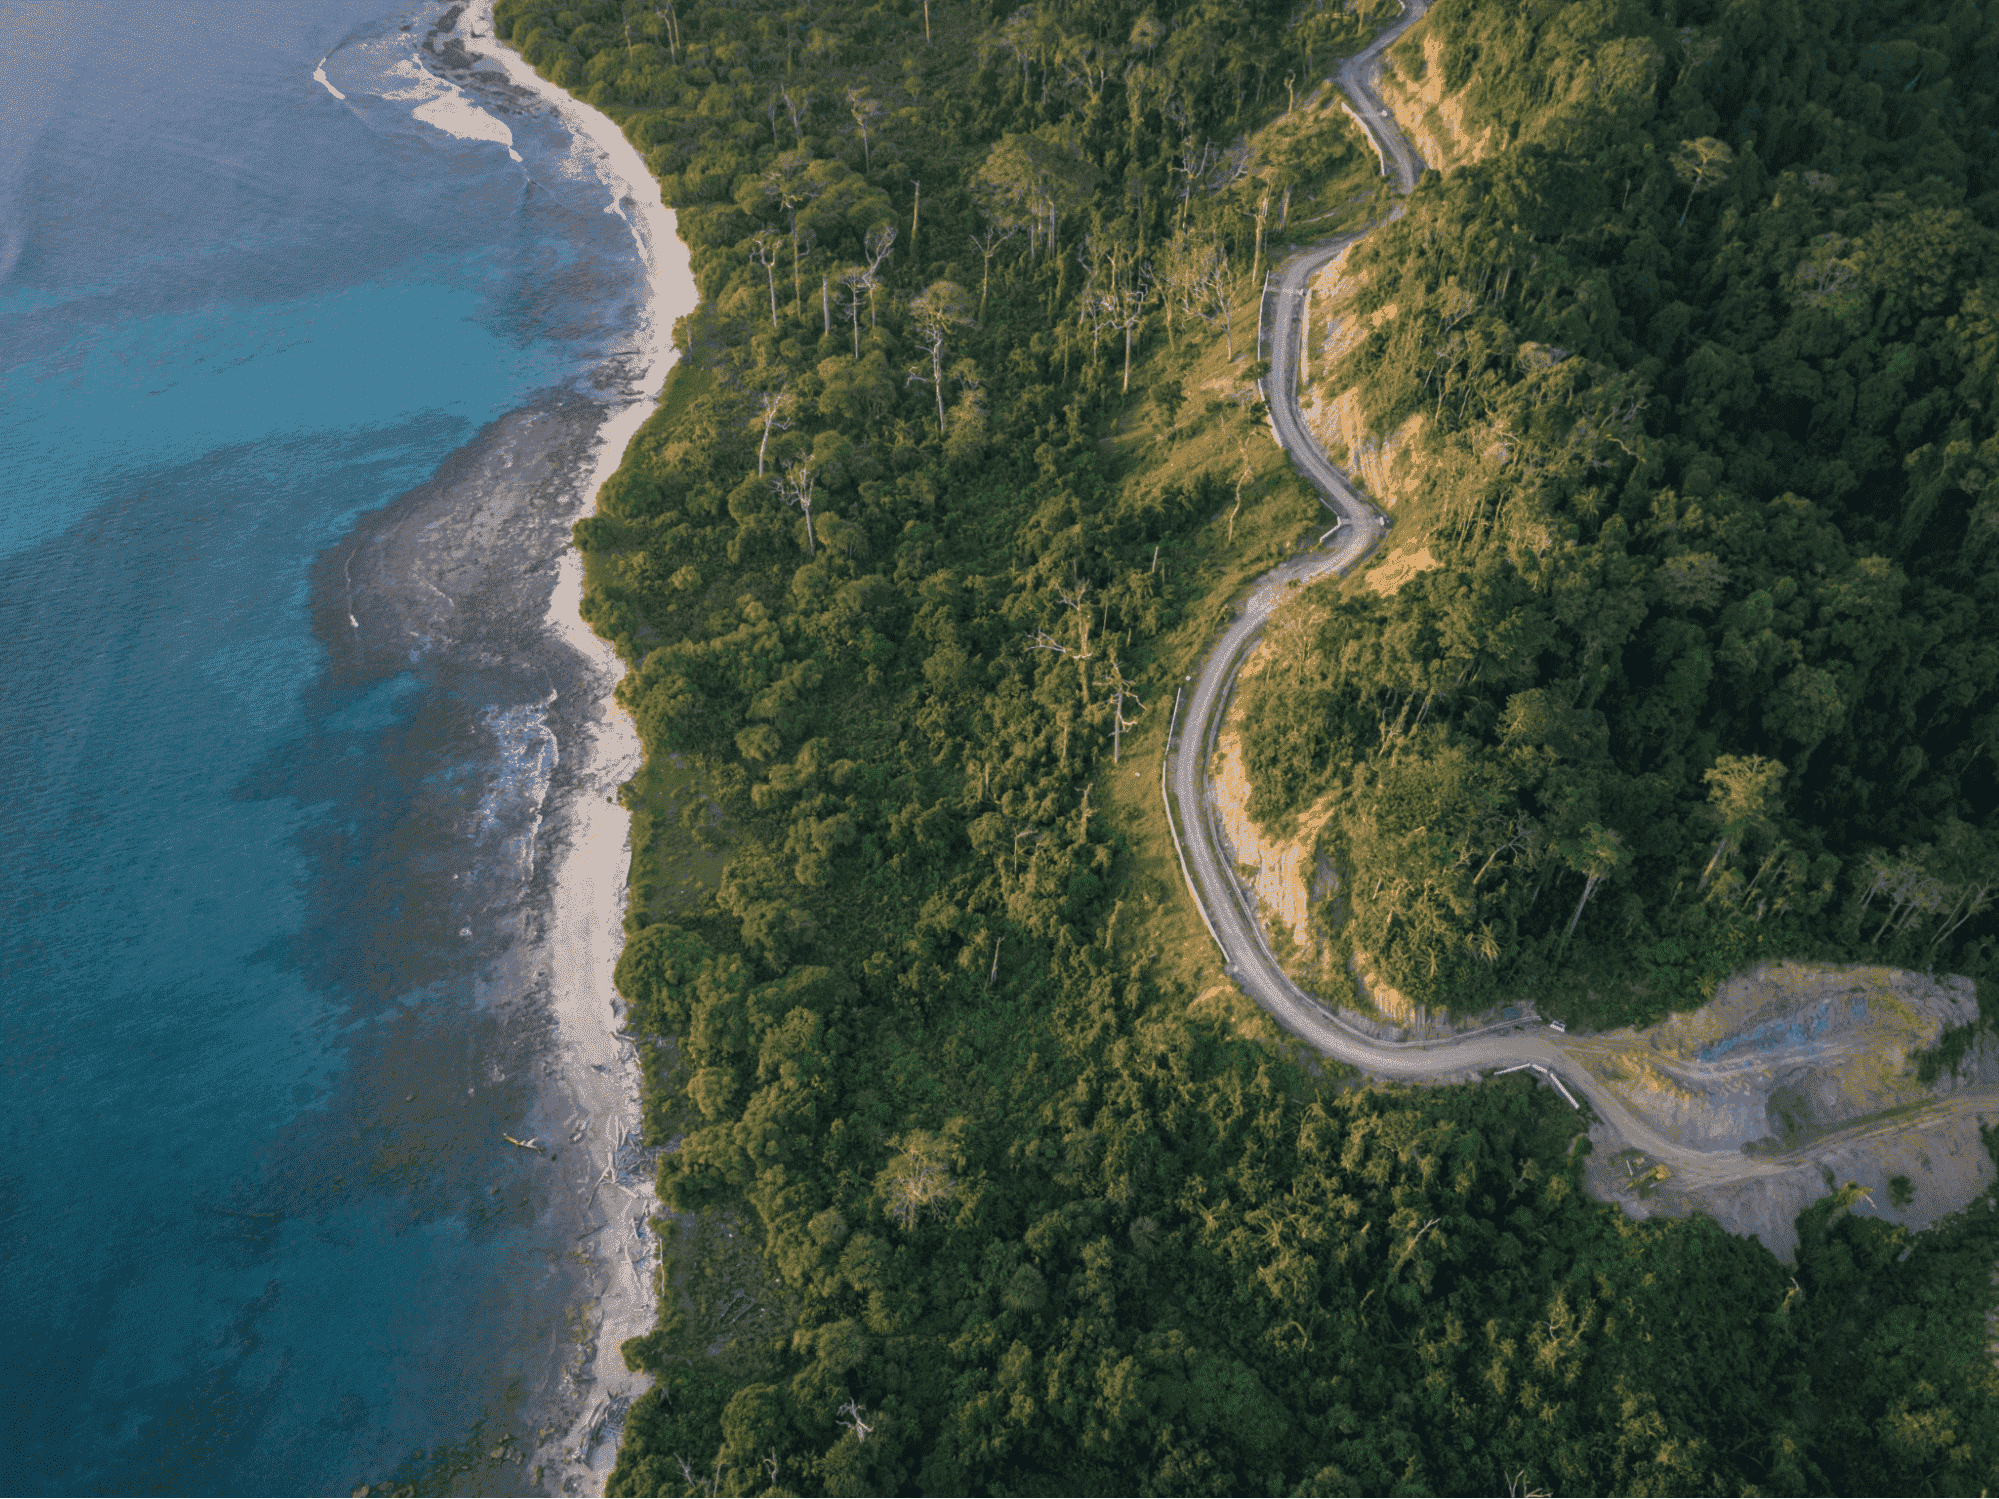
{"points": [[1703, 363], [965, 1194]]}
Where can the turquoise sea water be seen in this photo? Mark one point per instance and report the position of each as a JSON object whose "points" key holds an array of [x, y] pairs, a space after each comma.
{"points": [[253, 1235]]}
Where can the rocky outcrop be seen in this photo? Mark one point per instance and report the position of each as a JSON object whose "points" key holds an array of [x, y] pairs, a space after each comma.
{"points": [[1392, 1004], [1386, 465], [1912, 1176], [1289, 880]]}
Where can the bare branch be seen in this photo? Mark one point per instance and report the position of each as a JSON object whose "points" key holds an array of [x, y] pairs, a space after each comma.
{"points": [[773, 408], [855, 1420]]}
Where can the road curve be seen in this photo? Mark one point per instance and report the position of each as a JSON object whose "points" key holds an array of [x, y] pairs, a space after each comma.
{"points": [[1356, 80], [1228, 908]]}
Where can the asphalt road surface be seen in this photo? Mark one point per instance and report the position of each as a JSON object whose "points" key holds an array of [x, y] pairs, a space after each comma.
{"points": [[1227, 907]]}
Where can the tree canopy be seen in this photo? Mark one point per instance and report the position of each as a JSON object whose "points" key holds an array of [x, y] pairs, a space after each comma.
{"points": [[1701, 368], [968, 1187]]}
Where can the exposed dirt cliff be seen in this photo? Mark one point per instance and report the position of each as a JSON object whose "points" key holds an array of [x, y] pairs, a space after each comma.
{"points": [[1384, 465], [1412, 86], [1284, 873]]}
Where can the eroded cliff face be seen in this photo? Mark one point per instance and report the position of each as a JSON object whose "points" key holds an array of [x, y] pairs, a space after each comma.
{"points": [[1412, 86], [1289, 879], [1397, 1008], [1285, 873], [1385, 466]]}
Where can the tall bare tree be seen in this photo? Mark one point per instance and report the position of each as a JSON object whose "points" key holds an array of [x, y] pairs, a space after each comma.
{"points": [[795, 487], [774, 413], [879, 243], [987, 243], [763, 252], [1075, 600], [789, 184], [1026, 179], [853, 292], [865, 109], [671, 16], [1110, 677], [1259, 212], [1243, 476], [796, 103], [1199, 280], [1089, 65], [1124, 302], [943, 307]]}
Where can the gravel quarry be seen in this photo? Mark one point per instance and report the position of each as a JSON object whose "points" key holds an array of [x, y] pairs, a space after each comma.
{"points": [[1783, 1054], [1814, 1073]]}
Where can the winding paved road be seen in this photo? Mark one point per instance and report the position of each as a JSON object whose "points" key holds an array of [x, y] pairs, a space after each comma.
{"points": [[1227, 907]]}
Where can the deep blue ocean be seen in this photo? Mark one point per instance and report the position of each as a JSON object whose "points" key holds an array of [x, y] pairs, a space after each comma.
{"points": [[258, 1235]]}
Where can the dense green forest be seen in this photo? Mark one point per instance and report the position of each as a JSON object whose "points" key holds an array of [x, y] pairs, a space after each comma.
{"points": [[973, 1186], [1707, 361]]}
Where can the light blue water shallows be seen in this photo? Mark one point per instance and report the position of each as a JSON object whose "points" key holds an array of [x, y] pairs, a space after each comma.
{"points": [[235, 313]]}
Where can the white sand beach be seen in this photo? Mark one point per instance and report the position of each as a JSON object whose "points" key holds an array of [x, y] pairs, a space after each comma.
{"points": [[596, 1073]]}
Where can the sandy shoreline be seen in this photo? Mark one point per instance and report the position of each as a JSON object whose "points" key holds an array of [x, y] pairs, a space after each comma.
{"points": [[590, 1100]]}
